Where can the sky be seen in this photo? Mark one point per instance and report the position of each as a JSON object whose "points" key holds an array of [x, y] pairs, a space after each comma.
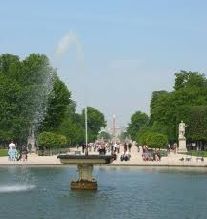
{"points": [[111, 54]]}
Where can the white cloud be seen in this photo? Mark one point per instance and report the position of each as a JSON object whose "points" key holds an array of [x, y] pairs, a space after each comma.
{"points": [[66, 42]]}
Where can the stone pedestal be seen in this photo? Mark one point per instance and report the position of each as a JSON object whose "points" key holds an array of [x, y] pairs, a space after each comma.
{"points": [[86, 180], [182, 145], [85, 172]]}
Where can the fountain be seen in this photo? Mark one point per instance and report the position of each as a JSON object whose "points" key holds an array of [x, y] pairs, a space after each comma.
{"points": [[85, 165], [40, 104]]}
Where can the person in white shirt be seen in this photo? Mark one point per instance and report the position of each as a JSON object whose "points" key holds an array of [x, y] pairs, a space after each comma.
{"points": [[12, 145]]}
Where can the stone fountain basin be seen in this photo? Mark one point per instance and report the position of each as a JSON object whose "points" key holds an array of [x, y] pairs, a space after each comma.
{"points": [[85, 159]]}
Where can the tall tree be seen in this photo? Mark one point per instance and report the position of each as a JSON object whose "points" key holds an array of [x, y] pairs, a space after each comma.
{"points": [[29, 91], [95, 120], [58, 101], [169, 108], [72, 126], [138, 120]]}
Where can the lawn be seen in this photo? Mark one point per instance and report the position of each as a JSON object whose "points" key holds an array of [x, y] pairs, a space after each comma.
{"points": [[197, 153], [3, 152]]}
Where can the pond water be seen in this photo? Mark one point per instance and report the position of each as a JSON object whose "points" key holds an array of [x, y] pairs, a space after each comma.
{"points": [[123, 192]]}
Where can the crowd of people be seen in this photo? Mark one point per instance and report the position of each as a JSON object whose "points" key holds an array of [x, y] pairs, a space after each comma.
{"points": [[111, 148], [150, 154], [21, 153]]}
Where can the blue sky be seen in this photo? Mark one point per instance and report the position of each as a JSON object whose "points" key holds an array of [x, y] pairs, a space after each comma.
{"points": [[128, 48]]}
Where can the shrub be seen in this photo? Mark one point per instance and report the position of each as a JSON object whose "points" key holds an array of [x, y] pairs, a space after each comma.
{"points": [[153, 139], [157, 140], [51, 140]]}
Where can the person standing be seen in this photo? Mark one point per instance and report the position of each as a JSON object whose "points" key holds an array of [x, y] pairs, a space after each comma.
{"points": [[12, 152], [12, 145], [130, 146], [125, 147], [24, 153]]}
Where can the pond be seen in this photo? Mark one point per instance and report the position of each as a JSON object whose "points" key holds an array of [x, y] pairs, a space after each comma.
{"points": [[123, 192]]}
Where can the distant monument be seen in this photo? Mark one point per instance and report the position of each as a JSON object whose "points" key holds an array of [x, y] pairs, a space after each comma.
{"points": [[181, 137]]}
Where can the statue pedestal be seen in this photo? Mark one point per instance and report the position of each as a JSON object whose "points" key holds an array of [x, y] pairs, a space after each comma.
{"points": [[182, 145]]}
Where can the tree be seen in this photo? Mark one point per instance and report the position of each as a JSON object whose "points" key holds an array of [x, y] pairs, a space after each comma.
{"points": [[10, 119], [104, 135], [138, 120], [123, 136], [190, 79], [169, 108], [197, 124], [157, 140], [95, 122], [31, 96], [152, 139], [72, 128], [58, 101]]}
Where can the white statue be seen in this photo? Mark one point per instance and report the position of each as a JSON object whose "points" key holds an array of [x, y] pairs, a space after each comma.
{"points": [[182, 127]]}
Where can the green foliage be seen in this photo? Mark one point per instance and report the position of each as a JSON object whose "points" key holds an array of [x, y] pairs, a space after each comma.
{"points": [[73, 129], [123, 136], [3, 152], [187, 102], [157, 140], [73, 125], [153, 139], [104, 135], [197, 153], [51, 140], [95, 122], [58, 101], [142, 137], [197, 123], [32, 96], [138, 120], [189, 79], [29, 92]]}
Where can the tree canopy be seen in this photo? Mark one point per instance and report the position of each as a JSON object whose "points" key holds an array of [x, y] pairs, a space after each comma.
{"points": [[138, 120], [95, 122], [33, 97], [187, 102]]}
